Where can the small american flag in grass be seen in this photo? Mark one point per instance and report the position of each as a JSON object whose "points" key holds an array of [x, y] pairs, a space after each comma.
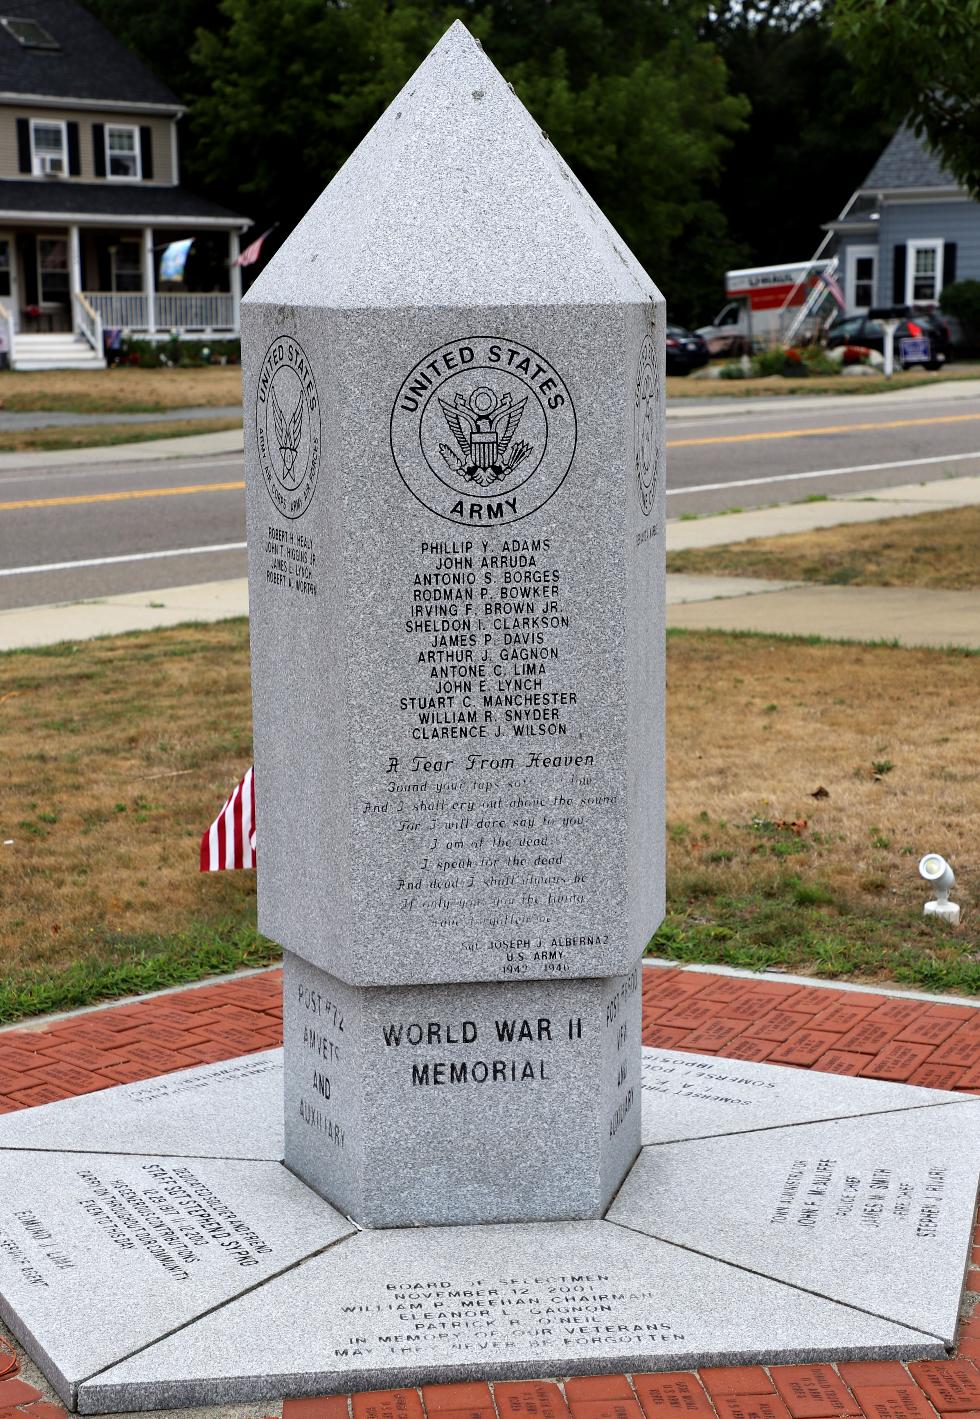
{"points": [[230, 840]]}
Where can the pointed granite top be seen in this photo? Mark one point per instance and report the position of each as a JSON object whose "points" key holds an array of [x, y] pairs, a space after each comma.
{"points": [[455, 198]]}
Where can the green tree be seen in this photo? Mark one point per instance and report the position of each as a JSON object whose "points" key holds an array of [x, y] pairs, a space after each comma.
{"points": [[632, 95], [922, 57], [810, 139]]}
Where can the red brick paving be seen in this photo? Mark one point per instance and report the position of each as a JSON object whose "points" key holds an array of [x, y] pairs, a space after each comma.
{"points": [[835, 1030]]}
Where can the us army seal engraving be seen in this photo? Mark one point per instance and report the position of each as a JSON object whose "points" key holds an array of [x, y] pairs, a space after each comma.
{"points": [[483, 431], [287, 426], [645, 408]]}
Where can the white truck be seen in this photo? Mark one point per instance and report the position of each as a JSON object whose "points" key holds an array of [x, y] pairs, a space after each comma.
{"points": [[761, 302]]}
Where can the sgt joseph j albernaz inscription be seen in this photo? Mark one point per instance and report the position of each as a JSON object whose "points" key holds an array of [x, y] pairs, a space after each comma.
{"points": [[483, 431], [287, 426]]}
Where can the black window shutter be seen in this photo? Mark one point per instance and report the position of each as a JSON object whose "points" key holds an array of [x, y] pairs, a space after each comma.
{"points": [[949, 263], [898, 275], [74, 153], [146, 152], [98, 148], [23, 145]]}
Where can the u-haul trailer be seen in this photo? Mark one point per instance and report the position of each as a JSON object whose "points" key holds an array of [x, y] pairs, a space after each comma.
{"points": [[750, 317]]}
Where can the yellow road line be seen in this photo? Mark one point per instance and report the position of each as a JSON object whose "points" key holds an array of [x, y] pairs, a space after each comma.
{"points": [[827, 429], [120, 497]]}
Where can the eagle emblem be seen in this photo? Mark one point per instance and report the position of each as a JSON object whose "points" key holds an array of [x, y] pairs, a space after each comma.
{"points": [[289, 431], [483, 427]]}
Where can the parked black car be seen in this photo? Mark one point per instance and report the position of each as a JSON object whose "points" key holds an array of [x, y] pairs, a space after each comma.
{"points": [[921, 338], [686, 351]]}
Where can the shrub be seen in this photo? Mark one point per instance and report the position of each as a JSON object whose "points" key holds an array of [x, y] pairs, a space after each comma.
{"points": [[152, 354], [962, 299]]}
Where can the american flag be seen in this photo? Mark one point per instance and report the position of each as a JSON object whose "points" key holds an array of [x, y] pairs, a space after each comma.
{"points": [[253, 251], [230, 840], [833, 286]]}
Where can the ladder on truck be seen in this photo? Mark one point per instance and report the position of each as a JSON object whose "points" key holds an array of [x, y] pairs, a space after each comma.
{"points": [[808, 319]]}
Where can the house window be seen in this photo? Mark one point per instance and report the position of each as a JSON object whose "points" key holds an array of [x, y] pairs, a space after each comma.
{"points": [[864, 281], [52, 263], [924, 272], [127, 266], [122, 153], [29, 33], [49, 147], [4, 266]]}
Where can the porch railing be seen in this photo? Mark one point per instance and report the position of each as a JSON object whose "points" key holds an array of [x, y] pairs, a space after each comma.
{"points": [[184, 310], [88, 322], [7, 333]]}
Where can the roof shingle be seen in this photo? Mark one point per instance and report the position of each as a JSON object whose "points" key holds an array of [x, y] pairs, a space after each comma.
{"points": [[907, 162], [115, 199], [90, 63]]}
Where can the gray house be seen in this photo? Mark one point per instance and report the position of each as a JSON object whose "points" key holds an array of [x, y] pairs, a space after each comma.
{"points": [[907, 232]]}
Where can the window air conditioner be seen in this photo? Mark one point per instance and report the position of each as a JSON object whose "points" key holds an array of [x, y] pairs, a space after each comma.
{"points": [[51, 165]]}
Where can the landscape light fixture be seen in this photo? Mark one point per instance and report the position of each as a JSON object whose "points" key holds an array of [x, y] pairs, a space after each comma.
{"points": [[938, 873]]}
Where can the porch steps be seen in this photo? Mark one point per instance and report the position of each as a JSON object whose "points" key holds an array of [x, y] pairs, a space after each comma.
{"points": [[55, 352]]}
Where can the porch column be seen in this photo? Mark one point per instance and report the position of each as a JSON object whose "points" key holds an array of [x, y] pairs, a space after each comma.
{"points": [[234, 281], [149, 281], [74, 272]]}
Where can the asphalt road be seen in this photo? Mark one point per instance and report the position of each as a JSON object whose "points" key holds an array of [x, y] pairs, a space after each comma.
{"points": [[69, 533], [752, 459]]}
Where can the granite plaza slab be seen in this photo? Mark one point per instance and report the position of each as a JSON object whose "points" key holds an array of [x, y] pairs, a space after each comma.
{"points": [[231, 1109], [876, 1211], [691, 1095], [391, 1308], [366, 1308], [101, 1253]]}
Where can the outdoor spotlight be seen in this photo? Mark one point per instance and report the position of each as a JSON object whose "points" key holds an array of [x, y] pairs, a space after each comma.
{"points": [[938, 873]]}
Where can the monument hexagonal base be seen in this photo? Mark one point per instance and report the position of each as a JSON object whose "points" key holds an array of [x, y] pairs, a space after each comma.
{"points": [[451, 1103], [153, 1252]]}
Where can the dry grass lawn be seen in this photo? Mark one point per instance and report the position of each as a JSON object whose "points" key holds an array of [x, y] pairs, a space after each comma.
{"points": [[936, 549], [758, 725], [118, 753], [97, 435], [120, 390]]}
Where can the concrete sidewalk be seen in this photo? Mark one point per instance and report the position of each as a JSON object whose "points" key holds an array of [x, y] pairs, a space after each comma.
{"points": [[907, 615]]}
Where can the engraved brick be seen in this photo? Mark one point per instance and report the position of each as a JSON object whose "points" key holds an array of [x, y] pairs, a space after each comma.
{"points": [[897, 1061], [672, 1395], [953, 1386], [812, 1391], [750, 1406], [538, 1399], [586, 1388], [387, 1404], [456, 1396], [904, 1401], [605, 1408]]}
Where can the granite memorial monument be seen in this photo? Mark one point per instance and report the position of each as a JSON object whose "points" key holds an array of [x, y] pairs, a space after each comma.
{"points": [[454, 443], [454, 450]]}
